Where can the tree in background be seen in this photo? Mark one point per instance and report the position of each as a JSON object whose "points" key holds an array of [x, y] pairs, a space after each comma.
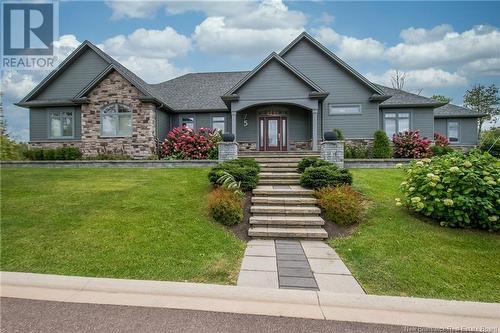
{"points": [[442, 98], [398, 80], [483, 99]]}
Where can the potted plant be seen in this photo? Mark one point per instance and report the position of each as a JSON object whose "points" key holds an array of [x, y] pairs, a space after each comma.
{"points": [[228, 137], [330, 136]]}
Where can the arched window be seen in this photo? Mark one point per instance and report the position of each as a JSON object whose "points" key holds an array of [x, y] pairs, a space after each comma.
{"points": [[116, 120]]}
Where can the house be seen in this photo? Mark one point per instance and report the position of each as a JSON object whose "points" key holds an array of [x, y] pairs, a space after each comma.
{"points": [[287, 102]]}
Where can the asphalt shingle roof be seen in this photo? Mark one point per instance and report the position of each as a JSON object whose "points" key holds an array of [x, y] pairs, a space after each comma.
{"points": [[197, 91], [452, 110], [399, 97]]}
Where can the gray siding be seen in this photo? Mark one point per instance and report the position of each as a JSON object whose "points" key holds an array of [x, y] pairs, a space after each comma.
{"points": [[467, 131], [39, 123], [203, 119], [274, 81], [343, 89], [72, 80], [162, 124], [420, 118]]}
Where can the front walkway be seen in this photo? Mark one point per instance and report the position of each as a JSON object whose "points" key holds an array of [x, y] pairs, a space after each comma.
{"points": [[295, 264]]}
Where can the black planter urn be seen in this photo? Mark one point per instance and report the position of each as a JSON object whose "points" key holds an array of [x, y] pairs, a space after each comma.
{"points": [[228, 137], [330, 136]]}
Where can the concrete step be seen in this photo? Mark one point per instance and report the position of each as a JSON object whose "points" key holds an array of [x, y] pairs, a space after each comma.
{"points": [[293, 190], [278, 159], [279, 175], [279, 165], [279, 181], [286, 220], [279, 169], [277, 232], [285, 210], [284, 200]]}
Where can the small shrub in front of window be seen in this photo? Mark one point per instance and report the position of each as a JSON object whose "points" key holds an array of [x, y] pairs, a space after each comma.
{"points": [[307, 162], [457, 189], [357, 151], [340, 134], [381, 145], [225, 206], [409, 144], [244, 170], [184, 143], [63, 153], [341, 205], [323, 176], [441, 145]]}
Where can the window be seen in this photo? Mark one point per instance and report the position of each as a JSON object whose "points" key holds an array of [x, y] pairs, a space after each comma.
{"points": [[453, 131], [116, 120], [219, 123], [61, 124], [188, 121], [396, 122], [343, 109]]}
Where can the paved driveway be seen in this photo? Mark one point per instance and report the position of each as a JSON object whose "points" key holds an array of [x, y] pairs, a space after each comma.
{"points": [[23, 315]]}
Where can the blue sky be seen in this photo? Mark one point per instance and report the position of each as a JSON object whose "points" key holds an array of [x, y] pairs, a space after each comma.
{"points": [[444, 47]]}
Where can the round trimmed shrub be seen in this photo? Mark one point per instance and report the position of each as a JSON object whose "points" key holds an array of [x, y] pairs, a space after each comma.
{"points": [[323, 176], [307, 162], [244, 170], [225, 206], [381, 145], [457, 189], [341, 205]]}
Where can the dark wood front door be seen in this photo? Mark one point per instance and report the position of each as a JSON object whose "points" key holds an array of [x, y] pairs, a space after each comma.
{"points": [[273, 133]]}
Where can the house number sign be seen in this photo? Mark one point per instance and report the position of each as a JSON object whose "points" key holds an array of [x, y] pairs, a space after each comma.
{"points": [[245, 120]]}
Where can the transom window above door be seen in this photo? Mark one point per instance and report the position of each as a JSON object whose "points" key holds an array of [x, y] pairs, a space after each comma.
{"points": [[396, 122], [116, 120]]}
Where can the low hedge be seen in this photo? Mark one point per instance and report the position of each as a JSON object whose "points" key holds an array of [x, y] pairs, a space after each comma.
{"points": [[225, 206], [307, 162], [244, 170], [323, 176], [341, 205], [63, 153]]}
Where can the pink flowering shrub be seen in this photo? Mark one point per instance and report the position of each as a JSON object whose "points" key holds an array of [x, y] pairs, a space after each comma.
{"points": [[441, 145], [184, 143], [409, 144], [440, 140]]}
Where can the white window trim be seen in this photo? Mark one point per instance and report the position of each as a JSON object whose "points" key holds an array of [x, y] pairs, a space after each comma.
{"points": [[332, 105], [224, 122], [131, 119], [72, 125], [187, 116], [458, 129], [396, 119]]}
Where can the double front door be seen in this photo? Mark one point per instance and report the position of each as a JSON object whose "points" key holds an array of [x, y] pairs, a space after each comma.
{"points": [[273, 133]]}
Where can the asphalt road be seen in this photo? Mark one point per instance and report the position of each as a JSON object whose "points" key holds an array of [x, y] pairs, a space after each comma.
{"points": [[23, 315]]}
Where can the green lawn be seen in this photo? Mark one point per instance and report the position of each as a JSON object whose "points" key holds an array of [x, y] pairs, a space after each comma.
{"points": [[123, 223], [396, 253]]}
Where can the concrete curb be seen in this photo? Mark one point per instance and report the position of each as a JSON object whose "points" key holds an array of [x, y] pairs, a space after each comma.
{"points": [[261, 301]]}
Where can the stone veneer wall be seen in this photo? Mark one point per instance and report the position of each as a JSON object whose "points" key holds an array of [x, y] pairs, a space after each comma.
{"points": [[114, 89]]}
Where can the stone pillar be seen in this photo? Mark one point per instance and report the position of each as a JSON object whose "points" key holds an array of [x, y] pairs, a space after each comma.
{"points": [[233, 123], [333, 152], [228, 151], [315, 129]]}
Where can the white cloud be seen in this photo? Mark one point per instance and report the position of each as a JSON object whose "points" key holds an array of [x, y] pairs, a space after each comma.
{"points": [[453, 48], [259, 29], [152, 70], [325, 19], [210, 8], [421, 78], [480, 67], [350, 48], [152, 43], [134, 9], [419, 35], [214, 36]]}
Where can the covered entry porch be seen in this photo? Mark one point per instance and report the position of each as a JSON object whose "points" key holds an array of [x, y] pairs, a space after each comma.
{"points": [[275, 127]]}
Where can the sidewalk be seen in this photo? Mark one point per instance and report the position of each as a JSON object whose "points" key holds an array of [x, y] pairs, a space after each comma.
{"points": [[261, 301]]}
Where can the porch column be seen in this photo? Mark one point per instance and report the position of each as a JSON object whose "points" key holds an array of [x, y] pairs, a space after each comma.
{"points": [[233, 124], [315, 129]]}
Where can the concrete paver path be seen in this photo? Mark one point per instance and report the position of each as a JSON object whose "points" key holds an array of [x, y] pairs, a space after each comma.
{"points": [[294, 264]]}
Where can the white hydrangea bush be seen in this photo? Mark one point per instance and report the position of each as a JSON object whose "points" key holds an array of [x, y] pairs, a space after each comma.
{"points": [[457, 189]]}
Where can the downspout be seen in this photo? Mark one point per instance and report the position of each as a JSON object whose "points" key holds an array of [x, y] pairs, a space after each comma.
{"points": [[156, 130]]}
